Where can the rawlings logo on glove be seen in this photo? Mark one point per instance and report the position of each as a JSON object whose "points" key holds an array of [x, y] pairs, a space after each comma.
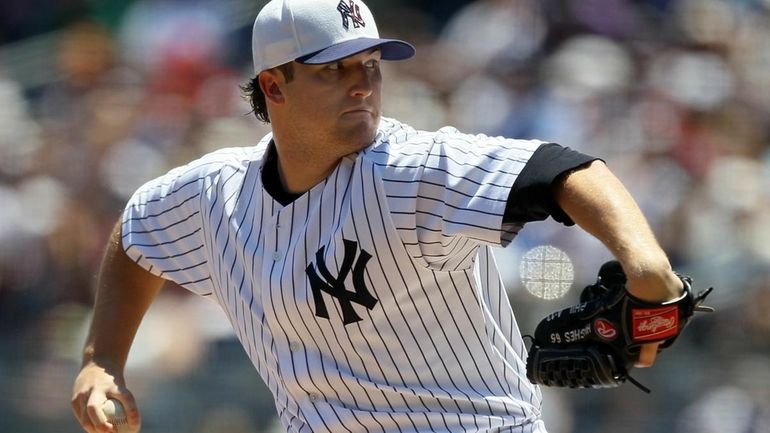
{"points": [[655, 324], [605, 329], [595, 344]]}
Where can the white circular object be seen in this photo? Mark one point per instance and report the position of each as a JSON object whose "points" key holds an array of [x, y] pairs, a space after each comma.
{"points": [[547, 272], [116, 415]]}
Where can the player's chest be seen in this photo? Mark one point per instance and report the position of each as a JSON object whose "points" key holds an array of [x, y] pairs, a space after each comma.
{"points": [[323, 257]]}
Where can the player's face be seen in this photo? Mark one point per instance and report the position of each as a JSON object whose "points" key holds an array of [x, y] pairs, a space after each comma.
{"points": [[340, 101]]}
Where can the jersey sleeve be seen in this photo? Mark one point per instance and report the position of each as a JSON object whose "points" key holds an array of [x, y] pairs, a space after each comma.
{"points": [[162, 226], [531, 198], [476, 174], [448, 193]]}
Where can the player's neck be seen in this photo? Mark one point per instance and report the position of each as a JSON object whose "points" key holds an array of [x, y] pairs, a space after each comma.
{"points": [[301, 170]]}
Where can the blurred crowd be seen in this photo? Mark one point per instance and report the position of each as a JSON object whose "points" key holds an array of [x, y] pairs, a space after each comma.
{"points": [[98, 97]]}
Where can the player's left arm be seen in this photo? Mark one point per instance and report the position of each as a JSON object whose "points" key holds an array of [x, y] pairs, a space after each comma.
{"points": [[595, 199]]}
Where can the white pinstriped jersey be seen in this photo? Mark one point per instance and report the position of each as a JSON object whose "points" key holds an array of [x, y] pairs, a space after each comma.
{"points": [[371, 303]]}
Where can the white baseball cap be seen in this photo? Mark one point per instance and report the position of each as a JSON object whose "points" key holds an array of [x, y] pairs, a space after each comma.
{"points": [[316, 32]]}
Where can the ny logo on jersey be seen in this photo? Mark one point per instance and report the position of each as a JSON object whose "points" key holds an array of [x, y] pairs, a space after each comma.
{"points": [[350, 12], [336, 286]]}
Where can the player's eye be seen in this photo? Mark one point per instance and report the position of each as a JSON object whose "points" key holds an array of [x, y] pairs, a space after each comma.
{"points": [[334, 66], [372, 63]]}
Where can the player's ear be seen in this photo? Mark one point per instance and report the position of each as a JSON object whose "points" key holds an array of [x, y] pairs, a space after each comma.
{"points": [[270, 82]]}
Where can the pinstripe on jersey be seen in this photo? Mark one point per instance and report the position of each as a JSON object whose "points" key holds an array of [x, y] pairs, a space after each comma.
{"points": [[439, 350]]}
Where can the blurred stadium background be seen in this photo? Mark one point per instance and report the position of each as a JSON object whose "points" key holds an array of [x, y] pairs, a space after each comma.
{"points": [[97, 97]]}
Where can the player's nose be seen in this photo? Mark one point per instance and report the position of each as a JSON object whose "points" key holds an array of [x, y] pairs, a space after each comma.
{"points": [[363, 82]]}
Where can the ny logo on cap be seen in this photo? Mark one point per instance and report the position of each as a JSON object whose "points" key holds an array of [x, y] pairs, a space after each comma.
{"points": [[350, 11]]}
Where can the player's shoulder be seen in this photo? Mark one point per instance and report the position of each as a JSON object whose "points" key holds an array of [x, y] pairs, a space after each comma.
{"points": [[398, 140], [207, 170], [227, 159], [396, 137], [451, 136], [233, 157], [398, 143], [395, 133]]}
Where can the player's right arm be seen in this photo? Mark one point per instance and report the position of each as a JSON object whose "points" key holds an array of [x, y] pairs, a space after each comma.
{"points": [[159, 237], [123, 295]]}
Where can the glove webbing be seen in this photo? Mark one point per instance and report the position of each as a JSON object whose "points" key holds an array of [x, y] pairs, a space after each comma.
{"points": [[578, 367]]}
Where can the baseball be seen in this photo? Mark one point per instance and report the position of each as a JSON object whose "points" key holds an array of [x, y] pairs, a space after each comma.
{"points": [[116, 415]]}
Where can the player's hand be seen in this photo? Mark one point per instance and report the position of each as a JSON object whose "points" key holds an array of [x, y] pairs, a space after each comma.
{"points": [[93, 386], [654, 289]]}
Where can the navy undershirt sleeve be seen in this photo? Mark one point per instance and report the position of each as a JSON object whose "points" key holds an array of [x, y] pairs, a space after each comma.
{"points": [[531, 197]]}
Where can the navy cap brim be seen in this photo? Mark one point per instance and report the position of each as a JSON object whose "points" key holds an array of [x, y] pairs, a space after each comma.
{"points": [[390, 49]]}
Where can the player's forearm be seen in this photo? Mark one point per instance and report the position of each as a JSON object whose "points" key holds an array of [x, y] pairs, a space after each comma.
{"points": [[598, 202], [124, 293]]}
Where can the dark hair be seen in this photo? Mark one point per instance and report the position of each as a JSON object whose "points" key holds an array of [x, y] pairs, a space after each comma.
{"points": [[253, 93]]}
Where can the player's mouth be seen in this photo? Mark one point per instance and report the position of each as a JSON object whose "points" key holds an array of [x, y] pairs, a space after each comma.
{"points": [[359, 111]]}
